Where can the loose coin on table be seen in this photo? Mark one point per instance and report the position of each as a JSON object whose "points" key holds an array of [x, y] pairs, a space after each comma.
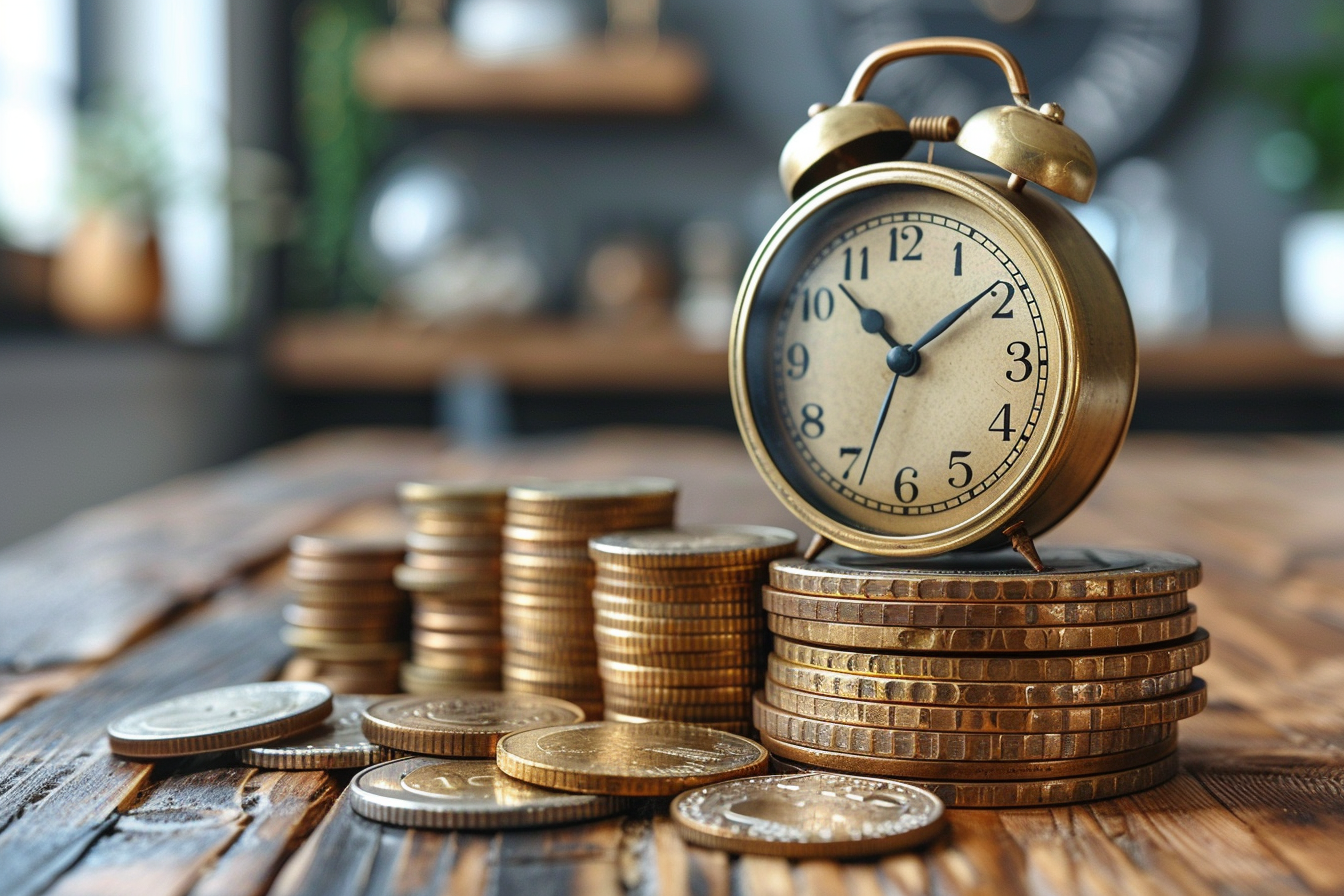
{"points": [[628, 759], [466, 794], [338, 742], [811, 815], [225, 718], [462, 724]]}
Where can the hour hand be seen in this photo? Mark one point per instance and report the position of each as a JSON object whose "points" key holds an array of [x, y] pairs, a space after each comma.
{"points": [[870, 318]]}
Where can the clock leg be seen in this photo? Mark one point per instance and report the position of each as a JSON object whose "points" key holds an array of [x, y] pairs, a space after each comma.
{"points": [[819, 543], [1021, 540]]}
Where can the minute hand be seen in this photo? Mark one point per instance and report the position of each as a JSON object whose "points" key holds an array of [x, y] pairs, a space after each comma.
{"points": [[937, 329]]}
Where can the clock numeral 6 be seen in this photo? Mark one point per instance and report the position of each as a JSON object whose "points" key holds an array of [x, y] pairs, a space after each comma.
{"points": [[1026, 365], [819, 304], [906, 490], [953, 462], [799, 360], [812, 426]]}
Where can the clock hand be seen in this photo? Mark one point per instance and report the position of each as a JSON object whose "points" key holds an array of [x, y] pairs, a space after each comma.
{"points": [[937, 329], [870, 318], [877, 430]]}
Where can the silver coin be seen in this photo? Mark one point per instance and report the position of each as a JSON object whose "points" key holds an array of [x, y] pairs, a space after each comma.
{"points": [[220, 719], [809, 815], [339, 742], [467, 794], [694, 540]]}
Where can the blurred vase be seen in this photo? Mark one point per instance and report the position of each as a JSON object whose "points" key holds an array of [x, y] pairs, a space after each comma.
{"points": [[510, 29], [108, 277], [1313, 280]]}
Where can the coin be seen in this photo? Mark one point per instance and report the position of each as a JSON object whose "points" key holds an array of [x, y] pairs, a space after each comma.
{"points": [[453, 494], [811, 815], [574, 553], [347, 547], [576, 522], [413, 578], [951, 746], [968, 771], [682, 626], [985, 694], [623, 492], [338, 638], [466, 794], [464, 725], [981, 614], [1009, 794], [482, 566], [631, 642], [732, 726], [457, 545], [309, 569], [965, 640], [1034, 719], [452, 526], [345, 595], [649, 759], [631, 674], [682, 696], [693, 546], [608, 574], [1156, 660], [376, 651], [575, 676], [337, 742], [220, 719], [1073, 574], [696, 713], [644, 609], [434, 621], [717, 659], [748, 592], [357, 617], [451, 642]]}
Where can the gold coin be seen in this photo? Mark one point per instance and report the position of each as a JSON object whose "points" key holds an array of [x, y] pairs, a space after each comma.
{"points": [[349, 653], [452, 494], [810, 815], [696, 713], [578, 524], [454, 545], [322, 638], [458, 661], [547, 603], [738, 727], [1141, 713], [558, 625], [519, 661], [474, 643], [1074, 574], [459, 527], [463, 725], [1183, 654], [666, 609], [664, 626], [951, 746], [349, 595], [571, 676], [932, 614], [348, 547], [328, 617], [715, 659], [632, 674], [968, 771], [649, 759], [627, 490], [457, 623], [637, 642], [655, 577], [310, 569], [967, 640], [446, 581], [478, 565], [743, 592], [538, 534], [560, 553], [225, 718], [515, 563], [547, 643], [681, 696], [985, 694], [338, 742], [466, 794], [579, 589], [694, 546]]}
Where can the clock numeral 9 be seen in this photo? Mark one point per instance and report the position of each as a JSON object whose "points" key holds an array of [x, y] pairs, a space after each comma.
{"points": [[1026, 365], [906, 490], [1006, 415], [819, 304], [799, 360], [953, 462], [910, 233], [812, 426]]}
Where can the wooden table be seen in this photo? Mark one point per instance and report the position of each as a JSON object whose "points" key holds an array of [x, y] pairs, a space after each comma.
{"points": [[174, 590]]}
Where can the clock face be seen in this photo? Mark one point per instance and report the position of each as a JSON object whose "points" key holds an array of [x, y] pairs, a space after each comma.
{"points": [[904, 361]]}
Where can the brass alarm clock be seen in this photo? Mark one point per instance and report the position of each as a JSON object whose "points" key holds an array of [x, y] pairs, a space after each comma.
{"points": [[925, 359]]}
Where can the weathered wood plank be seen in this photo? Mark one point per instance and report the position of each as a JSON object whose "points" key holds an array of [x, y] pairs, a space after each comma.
{"points": [[106, 577]]}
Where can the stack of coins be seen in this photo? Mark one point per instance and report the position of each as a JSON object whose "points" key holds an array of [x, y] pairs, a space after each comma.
{"points": [[452, 574], [985, 682], [679, 628], [347, 623], [548, 578]]}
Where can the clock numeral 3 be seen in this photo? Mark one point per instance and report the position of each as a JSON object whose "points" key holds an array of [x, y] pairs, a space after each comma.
{"points": [[906, 490], [1006, 415], [812, 426], [911, 234], [799, 360], [953, 462], [819, 304], [1026, 365], [853, 454]]}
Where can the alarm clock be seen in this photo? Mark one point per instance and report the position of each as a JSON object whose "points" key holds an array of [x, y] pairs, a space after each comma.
{"points": [[925, 359]]}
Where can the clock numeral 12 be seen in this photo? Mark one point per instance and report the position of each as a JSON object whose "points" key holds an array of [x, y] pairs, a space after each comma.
{"points": [[863, 263], [908, 232], [1006, 415]]}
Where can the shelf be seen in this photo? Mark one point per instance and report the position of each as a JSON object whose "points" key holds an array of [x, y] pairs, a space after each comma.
{"points": [[421, 69], [365, 352], [360, 352]]}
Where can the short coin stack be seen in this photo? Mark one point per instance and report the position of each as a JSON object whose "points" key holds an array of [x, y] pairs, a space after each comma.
{"points": [[679, 628], [985, 682], [452, 574], [347, 622], [548, 578]]}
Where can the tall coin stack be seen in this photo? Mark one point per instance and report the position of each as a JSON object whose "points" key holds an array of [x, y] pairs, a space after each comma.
{"points": [[452, 573], [347, 623], [680, 631], [548, 578], [988, 683]]}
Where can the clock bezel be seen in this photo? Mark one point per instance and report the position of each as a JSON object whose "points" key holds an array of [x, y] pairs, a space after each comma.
{"points": [[1097, 360]]}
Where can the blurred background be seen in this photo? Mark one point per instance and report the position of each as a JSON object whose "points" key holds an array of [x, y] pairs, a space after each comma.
{"points": [[225, 223]]}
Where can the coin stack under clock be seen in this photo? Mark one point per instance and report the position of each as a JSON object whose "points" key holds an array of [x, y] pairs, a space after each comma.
{"points": [[452, 574], [347, 623], [547, 585], [679, 627], [988, 683]]}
